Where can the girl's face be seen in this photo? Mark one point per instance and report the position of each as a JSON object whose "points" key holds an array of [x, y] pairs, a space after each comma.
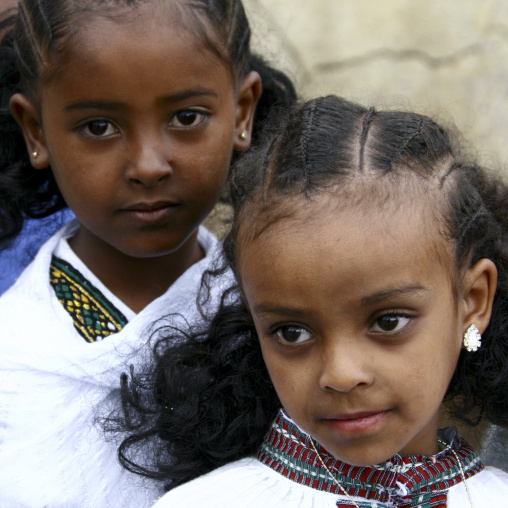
{"points": [[139, 126], [358, 325]]}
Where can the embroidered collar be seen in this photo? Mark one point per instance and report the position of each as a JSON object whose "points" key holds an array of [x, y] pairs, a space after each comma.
{"points": [[403, 481], [94, 316]]}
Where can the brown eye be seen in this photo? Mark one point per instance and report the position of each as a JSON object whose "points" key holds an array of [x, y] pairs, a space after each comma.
{"points": [[293, 334], [187, 118], [390, 323], [99, 129]]}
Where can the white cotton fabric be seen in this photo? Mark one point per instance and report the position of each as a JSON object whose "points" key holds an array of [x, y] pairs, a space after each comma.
{"points": [[248, 483], [53, 383]]}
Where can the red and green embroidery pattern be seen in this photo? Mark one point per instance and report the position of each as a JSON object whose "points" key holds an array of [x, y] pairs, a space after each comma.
{"points": [[94, 316], [403, 481]]}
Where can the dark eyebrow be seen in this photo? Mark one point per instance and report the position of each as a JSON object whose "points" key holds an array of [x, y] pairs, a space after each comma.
{"points": [[109, 105], [200, 92], [106, 105], [286, 311], [391, 293]]}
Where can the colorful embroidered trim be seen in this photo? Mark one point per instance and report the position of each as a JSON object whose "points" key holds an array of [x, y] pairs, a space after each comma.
{"points": [[94, 316], [403, 481]]}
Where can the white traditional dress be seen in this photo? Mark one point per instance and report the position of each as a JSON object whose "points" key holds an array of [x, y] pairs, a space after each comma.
{"points": [[64, 341], [288, 474]]}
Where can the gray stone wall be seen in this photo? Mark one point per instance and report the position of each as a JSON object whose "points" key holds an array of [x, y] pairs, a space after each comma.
{"points": [[444, 58]]}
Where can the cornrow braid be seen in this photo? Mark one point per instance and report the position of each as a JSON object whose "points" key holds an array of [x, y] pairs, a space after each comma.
{"points": [[29, 36], [417, 132], [469, 222], [238, 25], [228, 19], [310, 116], [363, 138], [45, 20], [266, 163], [231, 24], [243, 44], [454, 166]]}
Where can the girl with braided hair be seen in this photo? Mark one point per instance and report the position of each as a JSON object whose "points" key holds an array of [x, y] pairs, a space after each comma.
{"points": [[371, 263], [128, 112]]}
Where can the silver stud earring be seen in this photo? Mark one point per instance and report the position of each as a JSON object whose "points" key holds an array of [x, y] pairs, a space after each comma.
{"points": [[243, 135], [472, 338]]}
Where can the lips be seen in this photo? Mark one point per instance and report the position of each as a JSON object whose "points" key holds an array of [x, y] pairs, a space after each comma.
{"points": [[149, 206], [150, 213], [356, 423]]}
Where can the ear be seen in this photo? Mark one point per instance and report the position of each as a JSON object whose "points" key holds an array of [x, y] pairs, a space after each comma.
{"points": [[248, 96], [25, 114], [480, 283]]}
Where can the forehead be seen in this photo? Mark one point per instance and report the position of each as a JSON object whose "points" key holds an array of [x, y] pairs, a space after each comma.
{"points": [[112, 59], [148, 25], [354, 245], [179, 14]]}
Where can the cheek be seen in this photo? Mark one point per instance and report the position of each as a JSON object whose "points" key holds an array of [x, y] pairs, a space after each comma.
{"points": [[446, 355], [80, 185], [209, 179], [209, 162], [203, 190], [288, 379], [219, 161], [274, 366], [428, 371], [70, 185], [219, 146]]}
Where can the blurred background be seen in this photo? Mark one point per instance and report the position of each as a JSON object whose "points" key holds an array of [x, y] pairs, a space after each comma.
{"points": [[444, 58]]}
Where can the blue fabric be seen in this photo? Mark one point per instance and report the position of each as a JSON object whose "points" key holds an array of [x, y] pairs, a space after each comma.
{"points": [[14, 259]]}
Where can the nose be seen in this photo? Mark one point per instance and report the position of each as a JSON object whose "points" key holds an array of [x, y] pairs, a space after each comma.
{"points": [[148, 162], [345, 367]]}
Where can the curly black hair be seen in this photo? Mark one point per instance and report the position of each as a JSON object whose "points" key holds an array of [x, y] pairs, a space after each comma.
{"points": [[207, 398]]}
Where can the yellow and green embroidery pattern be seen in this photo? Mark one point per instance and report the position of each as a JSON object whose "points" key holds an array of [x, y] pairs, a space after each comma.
{"points": [[94, 317]]}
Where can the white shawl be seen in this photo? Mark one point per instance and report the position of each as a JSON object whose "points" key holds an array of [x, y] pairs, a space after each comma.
{"points": [[52, 382]]}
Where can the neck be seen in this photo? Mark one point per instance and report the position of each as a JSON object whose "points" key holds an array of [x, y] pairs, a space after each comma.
{"points": [[137, 281]]}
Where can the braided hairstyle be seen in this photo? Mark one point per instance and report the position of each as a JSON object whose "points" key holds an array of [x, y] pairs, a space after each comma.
{"points": [[207, 399], [35, 40], [330, 143]]}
